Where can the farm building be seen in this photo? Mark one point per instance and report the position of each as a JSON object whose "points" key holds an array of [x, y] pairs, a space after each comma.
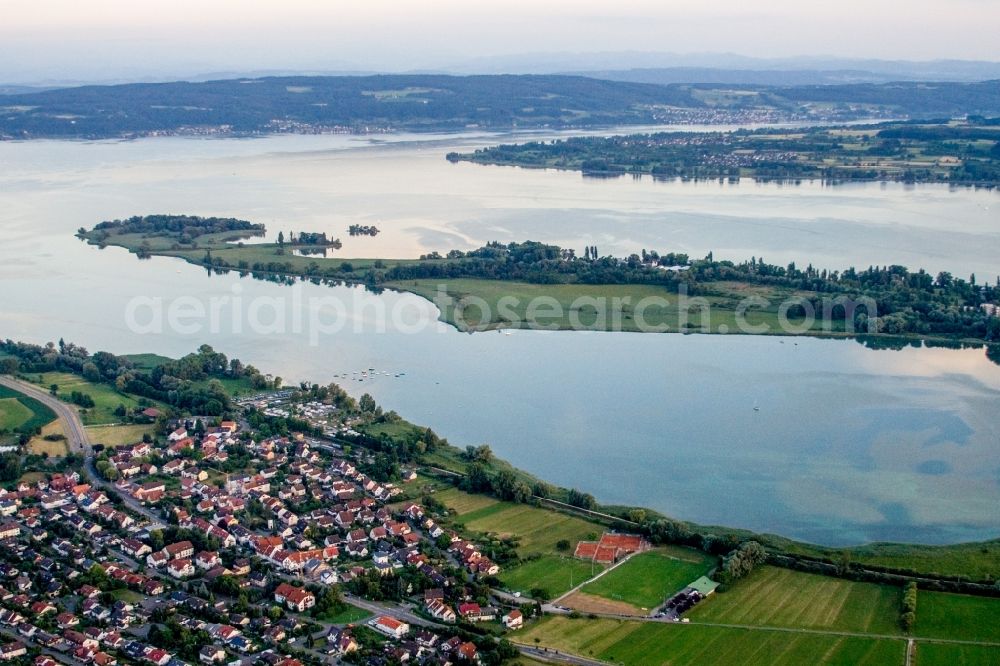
{"points": [[703, 586]]}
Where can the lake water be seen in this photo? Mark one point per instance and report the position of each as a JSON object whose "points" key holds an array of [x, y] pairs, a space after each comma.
{"points": [[850, 444]]}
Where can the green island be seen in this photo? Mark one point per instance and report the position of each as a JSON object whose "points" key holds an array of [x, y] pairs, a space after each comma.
{"points": [[534, 285], [963, 152], [779, 602]]}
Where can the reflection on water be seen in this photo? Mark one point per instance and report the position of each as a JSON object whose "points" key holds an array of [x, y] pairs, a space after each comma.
{"points": [[852, 442], [315, 252]]}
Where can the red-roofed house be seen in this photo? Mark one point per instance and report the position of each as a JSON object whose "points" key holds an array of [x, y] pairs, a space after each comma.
{"points": [[296, 598], [513, 619], [181, 568], [390, 626]]}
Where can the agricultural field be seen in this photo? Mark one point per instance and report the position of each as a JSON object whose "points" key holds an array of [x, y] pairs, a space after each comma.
{"points": [[598, 307], [538, 530], [415, 490], [427, 484], [944, 654], [106, 399], [554, 574], [462, 502], [647, 579], [119, 435], [643, 643], [20, 411], [41, 446], [783, 598], [13, 414], [251, 253], [943, 615], [590, 603]]}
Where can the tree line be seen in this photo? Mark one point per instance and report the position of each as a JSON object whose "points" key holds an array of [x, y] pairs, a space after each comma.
{"points": [[190, 383], [180, 225]]}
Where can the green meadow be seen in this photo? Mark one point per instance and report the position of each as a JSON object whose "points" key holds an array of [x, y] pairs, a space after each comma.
{"points": [[784, 598], [648, 579], [644, 643]]}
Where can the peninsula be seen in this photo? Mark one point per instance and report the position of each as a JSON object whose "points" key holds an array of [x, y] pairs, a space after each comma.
{"points": [[498, 285], [957, 152]]}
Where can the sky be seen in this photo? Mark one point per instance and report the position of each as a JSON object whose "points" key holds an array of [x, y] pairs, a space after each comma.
{"points": [[117, 39]]}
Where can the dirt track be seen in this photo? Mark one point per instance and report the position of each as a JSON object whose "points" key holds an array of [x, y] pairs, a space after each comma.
{"points": [[589, 603]]}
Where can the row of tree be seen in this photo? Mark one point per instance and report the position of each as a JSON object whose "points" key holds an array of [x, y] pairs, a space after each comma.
{"points": [[741, 561], [908, 611], [191, 383]]}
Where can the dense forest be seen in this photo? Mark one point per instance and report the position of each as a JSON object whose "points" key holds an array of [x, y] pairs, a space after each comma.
{"points": [[967, 153], [184, 228], [307, 104], [189, 383]]}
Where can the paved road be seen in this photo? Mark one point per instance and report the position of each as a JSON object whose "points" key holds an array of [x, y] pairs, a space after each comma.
{"points": [[514, 599], [553, 657], [75, 433], [395, 610], [79, 442]]}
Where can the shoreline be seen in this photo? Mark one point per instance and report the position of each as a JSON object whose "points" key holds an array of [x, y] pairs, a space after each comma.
{"points": [[469, 158], [889, 557], [617, 513], [400, 286]]}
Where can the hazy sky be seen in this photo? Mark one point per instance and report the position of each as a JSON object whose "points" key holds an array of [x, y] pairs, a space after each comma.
{"points": [[107, 39]]}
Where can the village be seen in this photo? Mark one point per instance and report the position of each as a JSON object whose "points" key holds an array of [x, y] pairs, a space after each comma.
{"points": [[209, 543], [300, 526]]}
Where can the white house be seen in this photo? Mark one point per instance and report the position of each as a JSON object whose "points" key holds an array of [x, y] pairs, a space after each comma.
{"points": [[390, 626]]}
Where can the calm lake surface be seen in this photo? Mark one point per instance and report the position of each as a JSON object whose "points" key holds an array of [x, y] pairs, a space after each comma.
{"points": [[851, 444]]}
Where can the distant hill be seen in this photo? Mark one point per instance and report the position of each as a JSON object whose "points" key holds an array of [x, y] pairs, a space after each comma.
{"points": [[767, 77], [415, 102], [437, 102], [624, 61], [20, 90]]}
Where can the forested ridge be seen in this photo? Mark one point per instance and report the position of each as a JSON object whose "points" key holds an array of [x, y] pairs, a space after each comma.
{"points": [[304, 104]]}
